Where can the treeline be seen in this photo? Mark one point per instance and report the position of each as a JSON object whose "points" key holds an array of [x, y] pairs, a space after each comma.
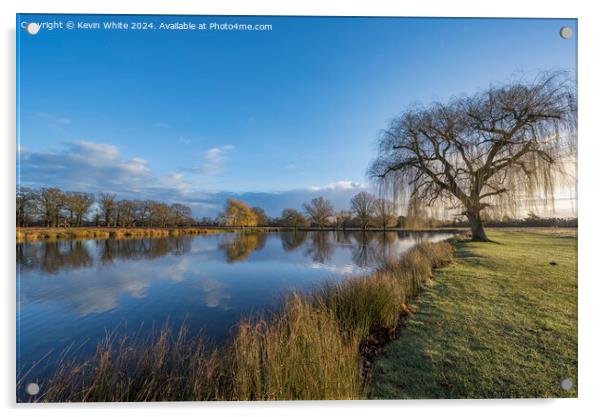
{"points": [[52, 207], [532, 220], [365, 211]]}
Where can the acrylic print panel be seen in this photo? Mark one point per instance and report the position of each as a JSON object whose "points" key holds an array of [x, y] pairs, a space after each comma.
{"points": [[292, 208]]}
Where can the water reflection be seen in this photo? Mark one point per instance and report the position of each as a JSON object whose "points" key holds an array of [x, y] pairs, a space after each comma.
{"points": [[321, 247], [71, 291], [52, 257], [238, 247], [292, 240], [367, 248], [136, 249]]}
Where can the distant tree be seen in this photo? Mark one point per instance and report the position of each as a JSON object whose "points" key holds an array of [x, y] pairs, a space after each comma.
{"points": [[362, 205], [206, 221], [26, 206], [293, 218], [238, 213], [127, 213], [52, 201], [384, 213], [161, 214], [343, 219], [108, 207], [77, 206], [262, 217], [182, 215], [147, 212], [319, 211], [492, 150]]}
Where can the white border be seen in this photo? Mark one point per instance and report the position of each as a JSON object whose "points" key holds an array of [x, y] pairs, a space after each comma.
{"points": [[590, 150]]}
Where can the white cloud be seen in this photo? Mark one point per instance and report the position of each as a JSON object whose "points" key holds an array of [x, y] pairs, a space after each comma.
{"points": [[214, 159], [339, 185], [100, 167], [291, 166], [94, 167]]}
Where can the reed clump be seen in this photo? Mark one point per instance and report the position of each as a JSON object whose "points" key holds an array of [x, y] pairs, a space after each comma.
{"points": [[162, 367], [309, 349], [298, 355]]}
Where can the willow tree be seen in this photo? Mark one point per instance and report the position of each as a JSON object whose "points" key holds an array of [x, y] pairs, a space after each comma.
{"points": [[238, 213], [495, 150]]}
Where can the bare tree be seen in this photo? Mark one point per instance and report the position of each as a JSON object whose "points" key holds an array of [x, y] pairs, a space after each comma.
{"points": [[52, 201], [489, 151], [26, 205], [161, 214], [182, 214], [319, 211], [384, 213], [363, 207], [262, 217], [127, 213], [77, 205], [108, 207], [293, 218]]}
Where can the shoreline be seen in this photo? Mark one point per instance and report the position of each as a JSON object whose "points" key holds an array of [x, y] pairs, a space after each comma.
{"points": [[33, 234]]}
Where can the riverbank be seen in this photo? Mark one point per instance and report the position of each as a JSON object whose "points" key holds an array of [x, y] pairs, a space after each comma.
{"points": [[501, 322], [30, 234], [311, 348]]}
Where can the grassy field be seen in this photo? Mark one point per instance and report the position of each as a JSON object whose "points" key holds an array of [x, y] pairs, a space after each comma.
{"points": [[500, 322]]}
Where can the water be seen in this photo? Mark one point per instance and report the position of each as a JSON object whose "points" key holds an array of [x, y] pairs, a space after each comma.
{"points": [[74, 292]]}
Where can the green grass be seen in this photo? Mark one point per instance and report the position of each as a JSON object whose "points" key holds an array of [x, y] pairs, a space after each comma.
{"points": [[500, 322]]}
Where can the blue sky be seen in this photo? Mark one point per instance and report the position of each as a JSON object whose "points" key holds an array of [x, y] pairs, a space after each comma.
{"points": [[274, 117]]}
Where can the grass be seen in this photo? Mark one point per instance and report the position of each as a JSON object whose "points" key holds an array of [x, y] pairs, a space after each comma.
{"points": [[501, 322], [27, 234], [299, 354], [308, 349]]}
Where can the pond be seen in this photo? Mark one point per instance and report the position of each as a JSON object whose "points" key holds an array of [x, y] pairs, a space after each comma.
{"points": [[72, 293]]}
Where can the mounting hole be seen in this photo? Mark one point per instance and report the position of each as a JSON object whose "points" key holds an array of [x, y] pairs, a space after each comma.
{"points": [[566, 384], [32, 388], [33, 28], [566, 32]]}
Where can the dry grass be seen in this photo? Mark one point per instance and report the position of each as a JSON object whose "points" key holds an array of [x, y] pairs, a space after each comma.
{"points": [[28, 234], [163, 367], [299, 355], [308, 349]]}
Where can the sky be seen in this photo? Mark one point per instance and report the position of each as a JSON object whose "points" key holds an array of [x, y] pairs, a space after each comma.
{"points": [[274, 117]]}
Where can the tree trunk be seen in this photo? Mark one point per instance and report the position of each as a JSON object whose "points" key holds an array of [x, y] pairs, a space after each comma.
{"points": [[476, 227]]}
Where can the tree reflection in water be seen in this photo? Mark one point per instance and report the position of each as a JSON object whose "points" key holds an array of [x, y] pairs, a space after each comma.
{"points": [[321, 246], [367, 248], [135, 249], [52, 257], [292, 240], [239, 247]]}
